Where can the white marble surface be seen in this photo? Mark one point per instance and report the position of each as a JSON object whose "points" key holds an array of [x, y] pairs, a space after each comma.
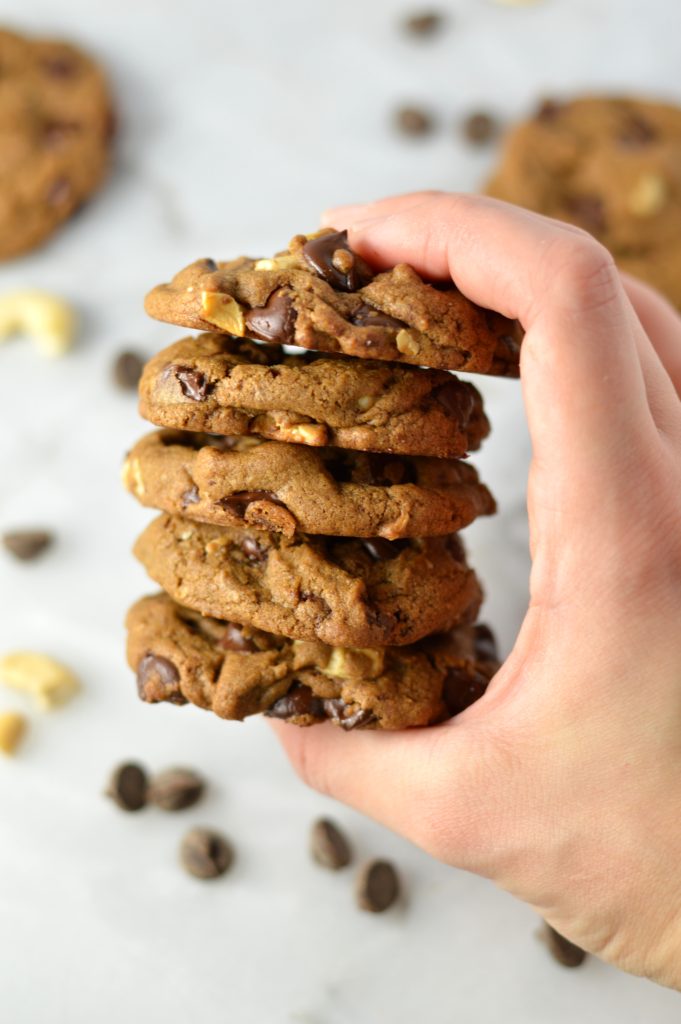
{"points": [[240, 122]]}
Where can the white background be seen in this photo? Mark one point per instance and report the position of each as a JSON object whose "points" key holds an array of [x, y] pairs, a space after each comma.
{"points": [[240, 123]]}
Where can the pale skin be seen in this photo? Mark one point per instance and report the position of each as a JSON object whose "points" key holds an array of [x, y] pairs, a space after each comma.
{"points": [[563, 783]]}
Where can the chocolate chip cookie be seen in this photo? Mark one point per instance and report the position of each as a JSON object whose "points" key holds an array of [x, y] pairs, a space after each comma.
{"points": [[55, 131], [611, 165], [361, 593], [319, 294], [236, 670], [224, 385], [269, 485]]}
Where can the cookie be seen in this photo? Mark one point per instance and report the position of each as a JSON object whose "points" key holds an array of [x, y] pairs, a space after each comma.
{"points": [[362, 593], [269, 485], [224, 385], [236, 671], [56, 124], [319, 294], [610, 165]]}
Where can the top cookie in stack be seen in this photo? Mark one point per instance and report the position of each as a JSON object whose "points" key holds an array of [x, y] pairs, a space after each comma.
{"points": [[308, 544]]}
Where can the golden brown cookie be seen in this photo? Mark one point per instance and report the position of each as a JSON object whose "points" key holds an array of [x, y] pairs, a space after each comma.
{"points": [[319, 294], [56, 124], [235, 671], [270, 485], [361, 593], [611, 165]]}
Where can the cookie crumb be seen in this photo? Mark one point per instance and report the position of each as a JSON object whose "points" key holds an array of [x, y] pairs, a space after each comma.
{"points": [[12, 730]]}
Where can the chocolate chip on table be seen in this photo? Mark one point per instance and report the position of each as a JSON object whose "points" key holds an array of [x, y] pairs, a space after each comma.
{"points": [[560, 948], [275, 321], [205, 853], [378, 886], [424, 23], [328, 845], [414, 121], [331, 257], [128, 786], [26, 544], [127, 370], [176, 788], [480, 127]]}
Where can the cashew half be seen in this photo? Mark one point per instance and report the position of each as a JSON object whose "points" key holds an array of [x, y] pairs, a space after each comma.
{"points": [[45, 318]]}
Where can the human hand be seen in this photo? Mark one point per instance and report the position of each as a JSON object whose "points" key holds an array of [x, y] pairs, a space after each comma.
{"points": [[563, 783]]}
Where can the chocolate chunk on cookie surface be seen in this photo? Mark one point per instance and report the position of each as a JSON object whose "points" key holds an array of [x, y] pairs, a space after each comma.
{"points": [[55, 134], [319, 294], [219, 384], [237, 671], [338, 590]]}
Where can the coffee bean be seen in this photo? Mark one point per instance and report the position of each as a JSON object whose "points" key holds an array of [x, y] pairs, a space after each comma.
{"points": [[426, 23], [193, 383], [274, 321], [175, 789], [561, 949], [158, 680], [298, 702], [26, 544], [378, 886], [413, 121], [480, 128], [331, 257], [127, 370], [205, 853], [128, 786], [328, 845]]}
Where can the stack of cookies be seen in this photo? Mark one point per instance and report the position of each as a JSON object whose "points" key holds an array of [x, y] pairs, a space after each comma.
{"points": [[308, 546]]}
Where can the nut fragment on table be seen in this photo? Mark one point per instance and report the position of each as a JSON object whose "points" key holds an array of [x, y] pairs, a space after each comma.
{"points": [[46, 680], [45, 318], [12, 730]]}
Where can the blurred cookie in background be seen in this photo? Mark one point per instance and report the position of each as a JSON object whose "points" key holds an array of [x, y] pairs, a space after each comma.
{"points": [[611, 165], [56, 126]]}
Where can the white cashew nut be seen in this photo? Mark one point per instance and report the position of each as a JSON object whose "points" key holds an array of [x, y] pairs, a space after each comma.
{"points": [[47, 319]]}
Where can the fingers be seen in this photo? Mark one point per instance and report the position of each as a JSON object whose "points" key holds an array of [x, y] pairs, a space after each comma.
{"points": [[348, 216], [661, 323]]}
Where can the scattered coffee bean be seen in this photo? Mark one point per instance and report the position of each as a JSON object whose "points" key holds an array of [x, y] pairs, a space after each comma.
{"points": [[127, 370], [128, 787], [561, 949], [205, 853], [26, 544], [175, 789], [328, 845], [413, 121], [480, 127], [425, 23], [377, 886]]}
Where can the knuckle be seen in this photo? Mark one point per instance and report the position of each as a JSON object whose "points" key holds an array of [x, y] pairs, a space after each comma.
{"points": [[583, 271]]}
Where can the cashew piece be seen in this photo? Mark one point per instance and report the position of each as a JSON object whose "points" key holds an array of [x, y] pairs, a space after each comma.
{"points": [[45, 318]]}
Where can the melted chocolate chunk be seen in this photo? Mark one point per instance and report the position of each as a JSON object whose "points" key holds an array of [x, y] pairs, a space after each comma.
{"points": [[636, 132], [588, 210], [462, 688], [193, 383], [338, 711], [275, 321], [455, 547], [252, 550], [240, 500], [190, 496], [345, 275], [457, 401], [299, 701], [60, 65], [158, 680], [484, 642], [382, 550], [366, 316], [233, 639]]}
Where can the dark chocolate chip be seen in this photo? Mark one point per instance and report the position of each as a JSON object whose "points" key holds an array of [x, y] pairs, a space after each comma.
{"points": [[252, 550], [588, 210], [60, 65], [426, 23], [59, 191], [338, 711], [387, 470], [366, 316], [26, 544], [457, 400], [56, 133], [378, 886], [175, 789], [158, 680], [636, 132], [190, 496], [455, 547], [127, 370], [328, 845], [344, 274], [275, 321], [461, 688], [128, 787], [480, 127], [299, 702], [414, 121], [485, 643], [548, 110], [233, 639], [561, 949], [240, 500], [193, 383], [382, 550], [205, 853], [209, 264]]}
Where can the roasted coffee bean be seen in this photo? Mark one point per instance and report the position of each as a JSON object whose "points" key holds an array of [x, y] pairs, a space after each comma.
{"points": [[461, 688], [190, 496], [338, 711], [382, 550], [233, 639], [158, 680], [128, 786], [561, 949], [299, 701], [328, 845], [205, 853], [275, 321], [426, 23], [26, 544], [127, 370], [193, 383], [366, 316], [175, 789], [252, 550], [414, 121], [59, 191], [346, 275], [240, 500], [588, 210], [480, 127], [378, 886]]}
